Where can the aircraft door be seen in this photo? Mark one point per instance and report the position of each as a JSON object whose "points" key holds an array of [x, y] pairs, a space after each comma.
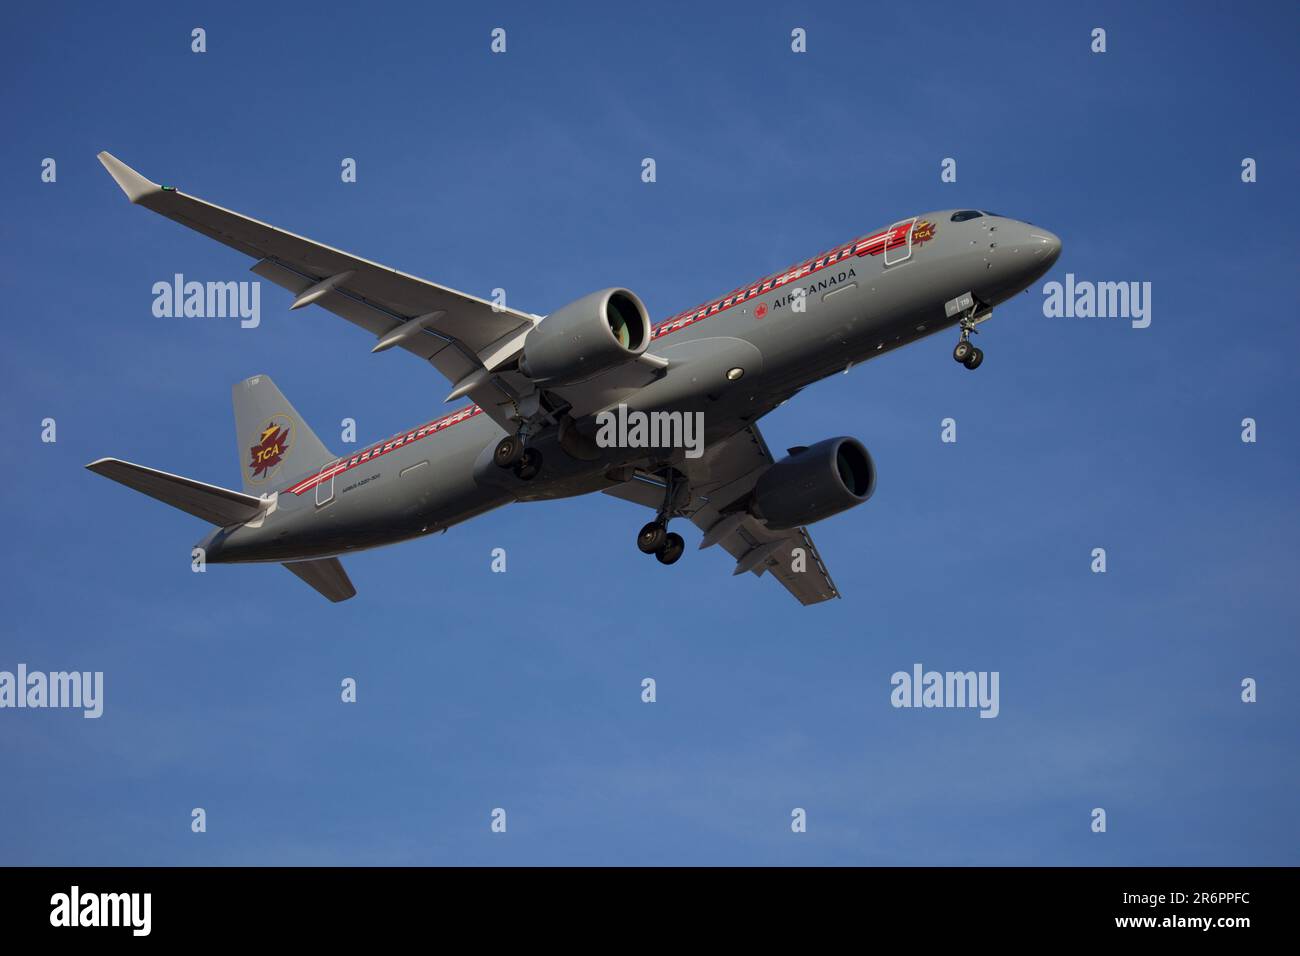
{"points": [[325, 487], [900, 253]]}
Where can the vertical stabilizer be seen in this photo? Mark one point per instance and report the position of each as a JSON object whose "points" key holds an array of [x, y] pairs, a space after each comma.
{"points": [[275, 445]]}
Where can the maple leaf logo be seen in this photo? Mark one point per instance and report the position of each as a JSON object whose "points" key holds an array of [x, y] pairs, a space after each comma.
{"points": [[269, 450]]}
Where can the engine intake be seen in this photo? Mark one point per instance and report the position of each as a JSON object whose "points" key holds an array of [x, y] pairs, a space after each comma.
{"points": [[584, 338], [814, 483]]}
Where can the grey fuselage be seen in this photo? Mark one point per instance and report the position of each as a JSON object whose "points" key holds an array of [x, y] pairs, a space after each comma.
{"points": [[853, 309]]}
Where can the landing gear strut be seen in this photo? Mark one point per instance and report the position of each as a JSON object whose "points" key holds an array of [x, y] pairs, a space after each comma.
{"points": [[655, 538], [966, 352]]}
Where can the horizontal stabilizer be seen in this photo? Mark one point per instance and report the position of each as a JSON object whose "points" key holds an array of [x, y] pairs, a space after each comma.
{"points": [[220, 506], [326, 575]]}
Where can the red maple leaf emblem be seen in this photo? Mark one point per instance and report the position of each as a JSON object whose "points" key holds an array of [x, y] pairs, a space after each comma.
{"points": [[760, 310], [270, 451]]}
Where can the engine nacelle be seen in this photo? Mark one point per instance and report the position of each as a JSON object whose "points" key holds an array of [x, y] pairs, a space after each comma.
{"points": [[586, 337], [814, 483]]}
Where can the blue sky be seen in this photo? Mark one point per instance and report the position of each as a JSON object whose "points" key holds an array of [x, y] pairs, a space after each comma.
{"points": [[522, 690]]}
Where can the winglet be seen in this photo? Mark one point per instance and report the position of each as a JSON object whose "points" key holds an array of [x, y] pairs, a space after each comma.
{"points": [[133, 184]]}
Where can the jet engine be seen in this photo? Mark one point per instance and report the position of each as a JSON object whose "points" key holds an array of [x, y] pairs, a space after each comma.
{"points": [[814, 483], [598, 332]]}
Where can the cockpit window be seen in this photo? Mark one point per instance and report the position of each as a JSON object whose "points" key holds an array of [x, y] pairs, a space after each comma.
{"points": [[964, 214], [995, 214]]}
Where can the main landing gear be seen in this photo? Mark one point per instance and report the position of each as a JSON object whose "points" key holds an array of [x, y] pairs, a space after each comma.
{"points": [[967, 352], [655, 538], [510, 453]]}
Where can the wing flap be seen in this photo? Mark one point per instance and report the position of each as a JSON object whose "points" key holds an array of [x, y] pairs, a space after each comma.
{"points": [[789, 555]]}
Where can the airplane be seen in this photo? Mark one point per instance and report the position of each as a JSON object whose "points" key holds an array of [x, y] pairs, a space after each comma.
{"points": [[539, 386]]}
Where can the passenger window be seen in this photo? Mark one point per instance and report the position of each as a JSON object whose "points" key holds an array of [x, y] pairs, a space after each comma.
{"points": [[965, 214]]}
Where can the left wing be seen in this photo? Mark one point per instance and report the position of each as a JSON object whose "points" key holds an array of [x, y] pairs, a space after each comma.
{"points": [[469, 340], [724, 474]]}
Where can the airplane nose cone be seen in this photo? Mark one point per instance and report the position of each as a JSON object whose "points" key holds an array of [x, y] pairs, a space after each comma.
{"points": [[1017, 255], [1046, 246]]}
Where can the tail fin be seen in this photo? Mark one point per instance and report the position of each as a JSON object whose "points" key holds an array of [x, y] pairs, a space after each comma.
{"points": [[274, 442]]}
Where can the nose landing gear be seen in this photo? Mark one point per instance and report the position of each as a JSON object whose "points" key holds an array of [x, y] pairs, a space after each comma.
{"points": [[967, 352]]}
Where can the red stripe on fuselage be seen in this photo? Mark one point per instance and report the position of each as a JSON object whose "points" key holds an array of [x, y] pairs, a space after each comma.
{"points": [[400, 440], [867, 245]]}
